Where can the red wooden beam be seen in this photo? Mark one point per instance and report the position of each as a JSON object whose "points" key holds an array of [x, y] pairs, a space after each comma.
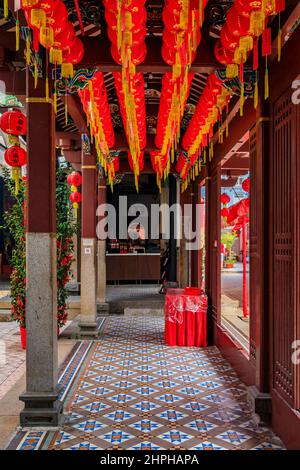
{"points": [[97, 54]]}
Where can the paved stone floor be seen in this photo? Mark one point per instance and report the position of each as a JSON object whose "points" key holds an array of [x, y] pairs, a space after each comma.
{"points": [[12, 356], [130, 391], [133, 291]]}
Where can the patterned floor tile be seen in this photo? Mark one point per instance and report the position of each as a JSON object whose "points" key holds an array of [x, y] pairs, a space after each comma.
{"points": [[134, 392]]}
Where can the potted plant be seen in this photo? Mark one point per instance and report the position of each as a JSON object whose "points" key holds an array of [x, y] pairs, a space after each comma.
{"points": [[227, 238], [66, 228], [229, 263]]}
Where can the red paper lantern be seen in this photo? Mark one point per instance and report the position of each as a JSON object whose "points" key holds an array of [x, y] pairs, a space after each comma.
{"points": [[13, 123], [225, 199], [246, 185], [238, 25], [224, 212], [65, 38], [243, 207], [229, 41], [138, 53], [74, 179], [15, 156], [223, 55], [76, 53], [57, 17], [75, 197]]}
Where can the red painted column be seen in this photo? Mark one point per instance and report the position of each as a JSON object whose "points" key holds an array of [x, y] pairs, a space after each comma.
{"points": [[88, 310], [40, 397], [244, 252]]}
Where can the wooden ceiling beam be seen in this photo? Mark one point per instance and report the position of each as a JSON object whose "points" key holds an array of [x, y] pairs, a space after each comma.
{"points": [[97, 54]]}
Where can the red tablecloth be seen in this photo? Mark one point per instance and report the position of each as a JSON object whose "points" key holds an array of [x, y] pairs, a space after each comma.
{"points": [[185, 319]]}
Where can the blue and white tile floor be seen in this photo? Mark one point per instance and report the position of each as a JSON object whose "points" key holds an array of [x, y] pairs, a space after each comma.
{"points": [[131, 391]]}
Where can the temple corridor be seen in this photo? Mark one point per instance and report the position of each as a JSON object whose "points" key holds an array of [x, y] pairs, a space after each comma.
{"points": [[128, 390]]}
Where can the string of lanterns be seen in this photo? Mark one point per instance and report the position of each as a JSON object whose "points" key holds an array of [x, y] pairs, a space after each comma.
{"points": [[159, 164], [95, 104], [126, 21], [133, 112], [173, 99], [245, 23], [74, 179], [181, 37], [51, 28], [14, 123], [197, 140]]}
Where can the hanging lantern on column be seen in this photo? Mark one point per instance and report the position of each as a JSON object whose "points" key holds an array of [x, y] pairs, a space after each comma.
{"points": [[15, 157], [13, 123], [246, 185], [74, 179], [224, 212], [75, 198], [225, 199]]}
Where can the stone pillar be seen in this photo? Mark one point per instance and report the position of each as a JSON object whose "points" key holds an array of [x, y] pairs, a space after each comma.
{"points": [[172, 268], [183, 278], [101, 253], [195, 254], [42, 407], [88, 309]]}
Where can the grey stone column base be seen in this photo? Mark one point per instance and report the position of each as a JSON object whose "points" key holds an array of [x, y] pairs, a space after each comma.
{"points": [[102, 308], [42, 409], [261, 404], [88, 330]]}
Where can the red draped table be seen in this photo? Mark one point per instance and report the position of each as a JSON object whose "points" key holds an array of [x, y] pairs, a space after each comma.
{"points": [[185, 318]]}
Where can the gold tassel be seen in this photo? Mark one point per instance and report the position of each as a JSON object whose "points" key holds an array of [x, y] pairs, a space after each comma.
{"points": [[75, 207], [6, 9], [47, 88], [17, 33], [279, 39], [27, 50], [36, 73], [15, 175], [256, 93], [55, 99], [242, 99], [66, 110], [266, 80], [201, 12]]}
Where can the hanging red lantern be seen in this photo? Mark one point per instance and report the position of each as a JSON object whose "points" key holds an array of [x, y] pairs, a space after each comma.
{"points": [[224, 212], [243, 207], [15, 156], [246, 185], [65, 38], [75, 198], [74, 179], [76, 53], [238, 25], [225, 199], [13, 123], [224, 56]]}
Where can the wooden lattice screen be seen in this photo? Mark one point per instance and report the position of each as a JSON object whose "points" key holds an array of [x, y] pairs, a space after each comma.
{"points": [[285, 313]]}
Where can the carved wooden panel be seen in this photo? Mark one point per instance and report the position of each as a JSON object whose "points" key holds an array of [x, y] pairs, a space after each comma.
{"points": [[286, 215]]}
